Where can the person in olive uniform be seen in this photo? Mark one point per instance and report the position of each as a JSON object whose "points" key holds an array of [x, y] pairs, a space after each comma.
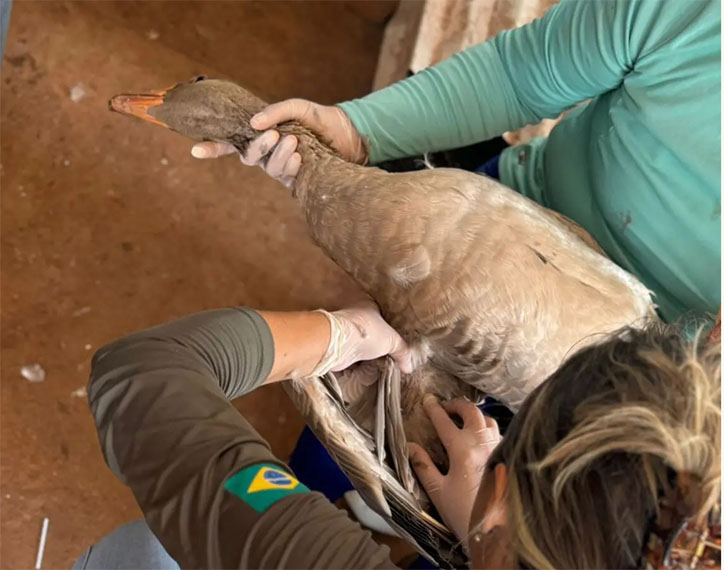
{"points": [[617, 447]]}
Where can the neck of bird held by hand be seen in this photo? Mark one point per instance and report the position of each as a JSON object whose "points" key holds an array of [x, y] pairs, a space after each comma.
{"points": [[320, 164], [308, 144]]}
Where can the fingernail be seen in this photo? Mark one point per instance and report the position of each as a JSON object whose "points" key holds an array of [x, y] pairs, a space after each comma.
{"points": [[199, 152], [429, 399], [289, 142], [258, 120]]}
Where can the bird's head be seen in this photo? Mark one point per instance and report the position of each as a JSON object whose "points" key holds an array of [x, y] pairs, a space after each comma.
{"points": [[201, 109]]}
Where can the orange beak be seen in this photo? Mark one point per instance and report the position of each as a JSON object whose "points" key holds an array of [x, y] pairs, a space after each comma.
{"points": [[138, 105]]}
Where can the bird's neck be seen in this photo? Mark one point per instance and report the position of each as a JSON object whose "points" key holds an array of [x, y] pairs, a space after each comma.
{"points": [[309, 145]]}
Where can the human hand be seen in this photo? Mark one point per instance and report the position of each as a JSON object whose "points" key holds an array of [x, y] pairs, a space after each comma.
{"points": [[360, 333], [468, 450], [328, 121]]}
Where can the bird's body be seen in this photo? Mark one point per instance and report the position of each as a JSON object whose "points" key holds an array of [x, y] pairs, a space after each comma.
{"points": [[491, 290], [487, 283]]}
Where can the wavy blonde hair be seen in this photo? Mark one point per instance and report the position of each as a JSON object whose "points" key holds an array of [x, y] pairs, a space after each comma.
{"points": [[594, 447]]}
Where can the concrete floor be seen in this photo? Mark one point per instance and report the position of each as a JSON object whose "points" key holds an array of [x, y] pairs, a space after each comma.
{"points": [[109, 225]]}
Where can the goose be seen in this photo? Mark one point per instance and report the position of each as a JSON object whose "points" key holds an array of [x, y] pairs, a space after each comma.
{"points": [[491, 290]]}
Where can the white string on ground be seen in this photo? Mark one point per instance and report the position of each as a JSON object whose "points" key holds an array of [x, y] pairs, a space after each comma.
{"points": [[41, 545]]}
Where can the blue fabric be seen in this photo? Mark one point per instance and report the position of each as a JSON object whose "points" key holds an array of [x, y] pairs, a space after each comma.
{"points": [[490, 168], [5, 6], [314, 467], [130, 547]]}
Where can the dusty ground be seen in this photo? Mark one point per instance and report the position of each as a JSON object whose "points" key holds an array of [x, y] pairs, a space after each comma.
{"points": [[109, 225]]}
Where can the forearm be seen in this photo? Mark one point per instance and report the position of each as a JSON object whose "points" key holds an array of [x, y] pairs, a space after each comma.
{"points": [[580, 49], [146, 387], [300, 341], [464, 99], [242, 348], [232, 348], [195, 365]]}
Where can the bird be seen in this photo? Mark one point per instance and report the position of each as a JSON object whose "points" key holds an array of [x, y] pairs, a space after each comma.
{"points": [[491, 291]]}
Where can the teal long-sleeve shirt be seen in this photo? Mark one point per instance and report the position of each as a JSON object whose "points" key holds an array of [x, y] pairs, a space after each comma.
{"points": [[638, 165]]}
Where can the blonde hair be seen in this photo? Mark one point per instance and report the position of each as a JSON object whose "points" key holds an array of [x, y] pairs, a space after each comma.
{"points": [[595, 447]]}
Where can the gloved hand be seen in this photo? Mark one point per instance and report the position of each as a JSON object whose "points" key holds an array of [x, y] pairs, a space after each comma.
{"points": [[468, 450], [360, 333], [327, 121]]}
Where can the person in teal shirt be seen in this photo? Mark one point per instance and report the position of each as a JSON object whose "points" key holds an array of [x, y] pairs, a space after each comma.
{"points": [[636, 162]]}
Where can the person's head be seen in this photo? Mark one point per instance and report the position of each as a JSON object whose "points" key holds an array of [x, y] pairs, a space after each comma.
{"points": [[625, 436]]}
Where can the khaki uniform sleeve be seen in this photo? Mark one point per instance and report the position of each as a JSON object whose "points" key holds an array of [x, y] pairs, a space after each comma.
{"points": [[160, 400]]}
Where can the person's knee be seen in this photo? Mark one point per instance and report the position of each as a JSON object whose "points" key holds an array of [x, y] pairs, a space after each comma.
{"points": [[131, 545]]}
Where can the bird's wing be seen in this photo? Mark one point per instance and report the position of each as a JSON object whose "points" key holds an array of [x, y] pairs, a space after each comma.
{"points": [[353, 448], [323, 408], [390, 386]]}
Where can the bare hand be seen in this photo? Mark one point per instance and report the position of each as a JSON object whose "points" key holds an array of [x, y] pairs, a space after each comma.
{"points": [[468, 449], [327, 121]]}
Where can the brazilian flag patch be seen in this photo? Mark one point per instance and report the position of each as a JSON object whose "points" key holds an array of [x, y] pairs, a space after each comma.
{"points": [[262, 485]]}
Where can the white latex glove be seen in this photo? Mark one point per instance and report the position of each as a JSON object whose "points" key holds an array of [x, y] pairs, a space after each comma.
{"points": [[327, 121], [468, 450], [360, 333]]}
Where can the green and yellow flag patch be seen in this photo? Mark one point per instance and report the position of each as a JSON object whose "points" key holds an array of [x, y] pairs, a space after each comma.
{"points": [[262, 485]]}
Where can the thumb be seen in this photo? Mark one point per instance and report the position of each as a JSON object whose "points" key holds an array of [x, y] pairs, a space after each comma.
{"points": [[211, 149], [403, 356], [290, 110], [426, 471]]}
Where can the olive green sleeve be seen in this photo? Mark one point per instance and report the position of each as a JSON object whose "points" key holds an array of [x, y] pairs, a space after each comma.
{"points": [[197, 468]]}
